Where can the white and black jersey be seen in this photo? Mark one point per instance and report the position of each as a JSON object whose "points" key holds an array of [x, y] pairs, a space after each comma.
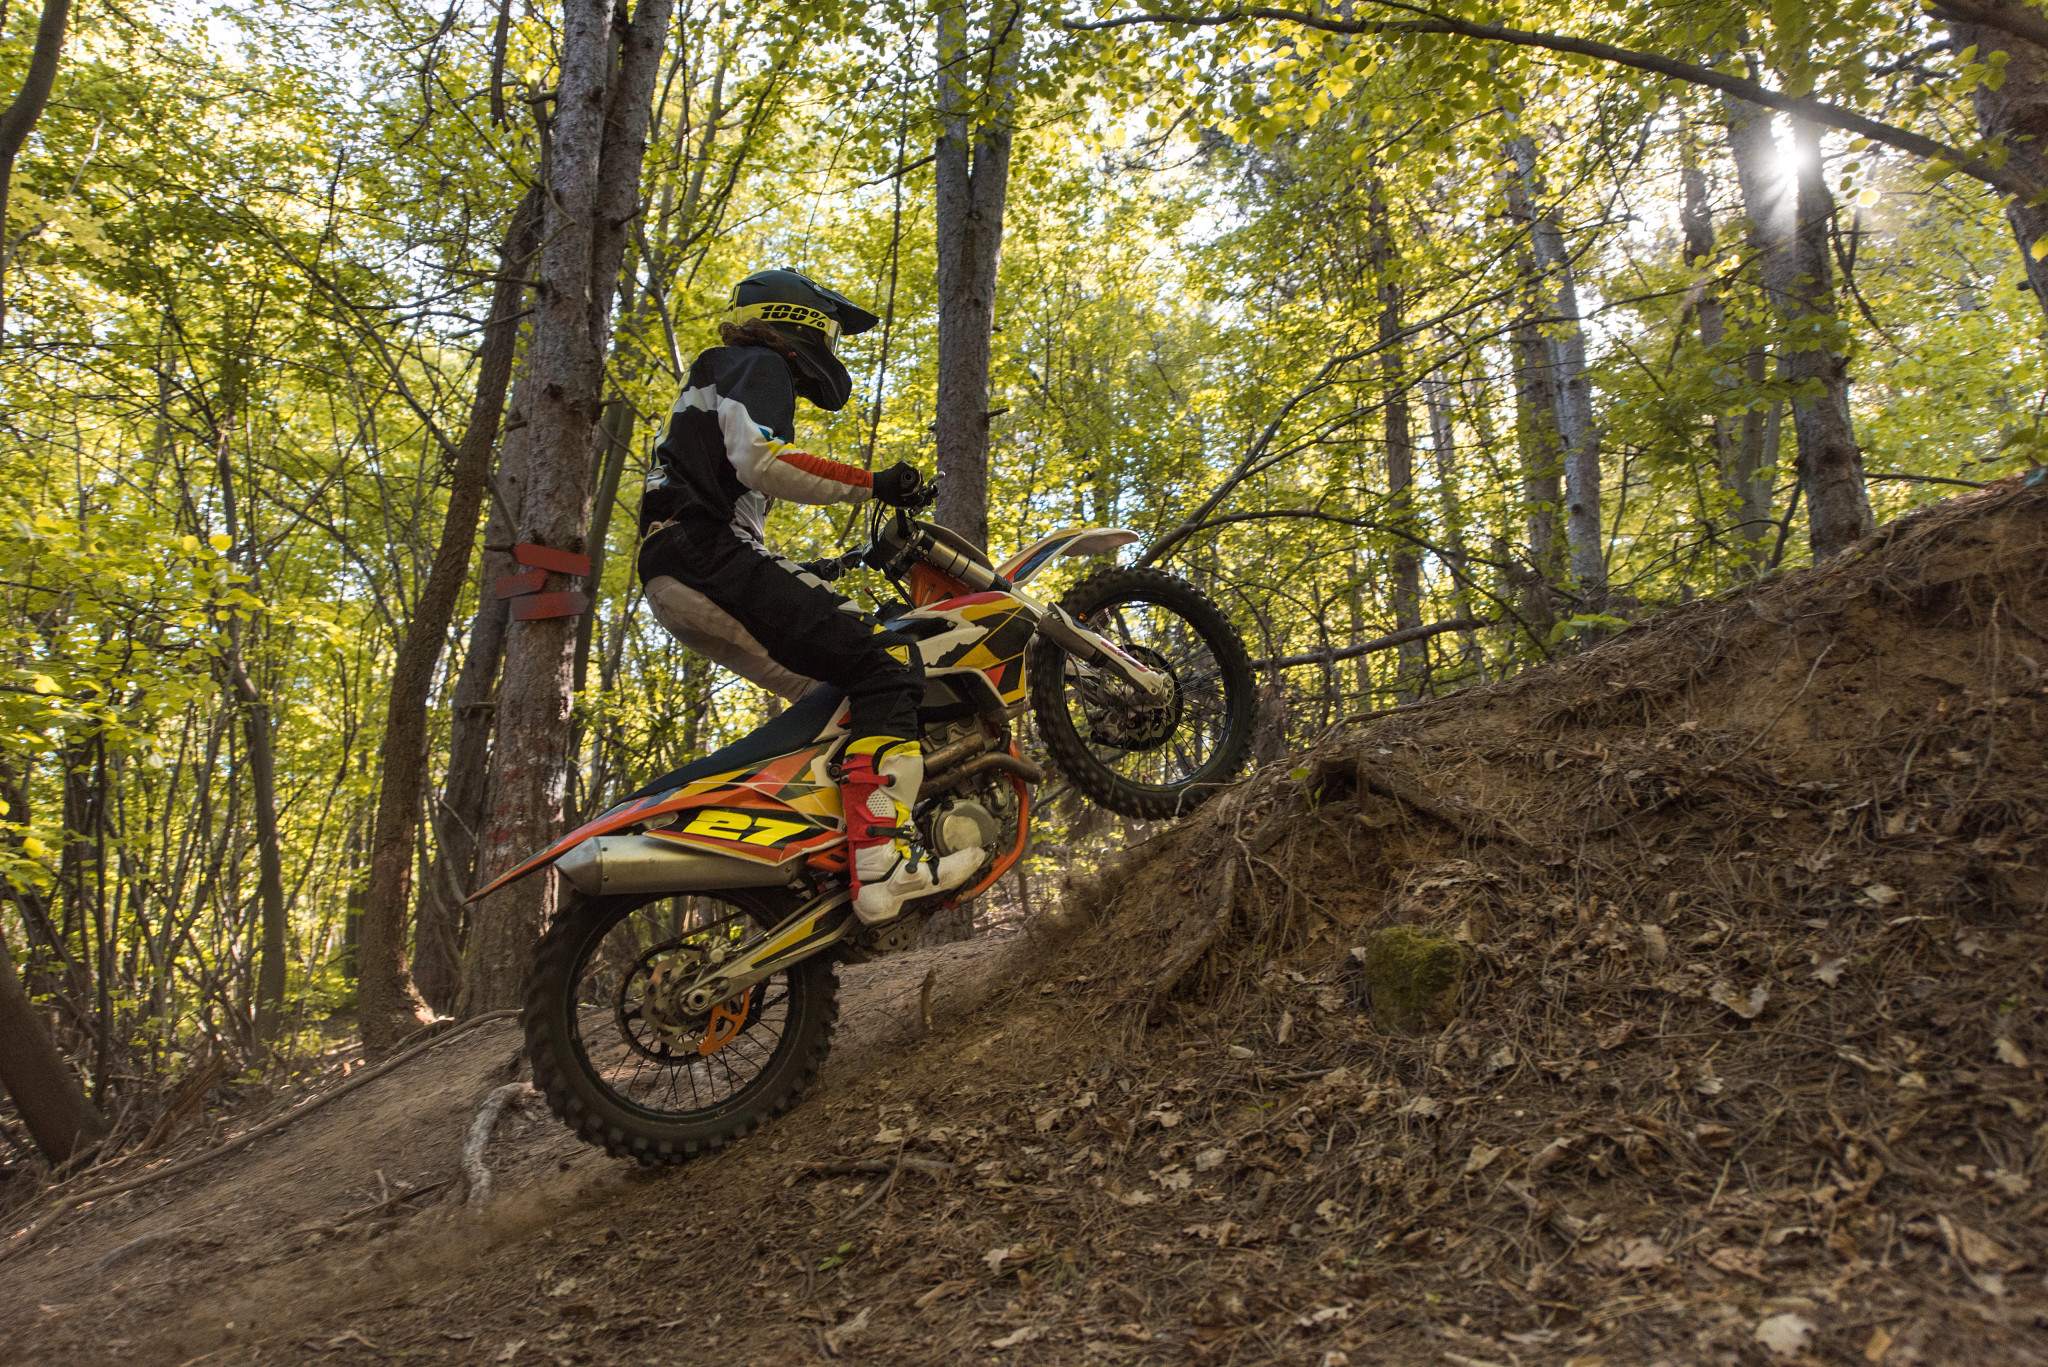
{"points": [[730, 447]]}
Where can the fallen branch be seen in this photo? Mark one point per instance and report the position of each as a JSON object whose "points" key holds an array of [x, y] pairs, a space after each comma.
{"points": [[135, 1246], [1387, 642], [22, 1238], [373, 1208], [473, 1166]]}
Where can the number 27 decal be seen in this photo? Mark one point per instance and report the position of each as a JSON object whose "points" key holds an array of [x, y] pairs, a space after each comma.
{"points": [[744, 827]]}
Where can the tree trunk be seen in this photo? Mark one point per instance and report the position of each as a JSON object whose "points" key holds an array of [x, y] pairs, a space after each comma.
{"points": [[389, 1006], [1790, 219], [615, 444], [1736, 456], [2017, 112], [599, 140], [1565, 345], [271, 968], [1404, 562], [1542, 456], [464, 804], [1443, 449], [971, 169], [1830, 463], [45, 1091], [19, 118]]}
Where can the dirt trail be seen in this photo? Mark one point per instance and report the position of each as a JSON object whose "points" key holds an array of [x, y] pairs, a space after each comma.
{"points": [[1751, 904], [245, 1253]]}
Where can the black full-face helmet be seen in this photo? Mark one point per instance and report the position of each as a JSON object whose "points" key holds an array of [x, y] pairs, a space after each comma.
{"points": [[811, 319]]}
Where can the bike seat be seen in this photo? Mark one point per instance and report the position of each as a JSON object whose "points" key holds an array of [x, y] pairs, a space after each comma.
{"points": [[798, 725]]}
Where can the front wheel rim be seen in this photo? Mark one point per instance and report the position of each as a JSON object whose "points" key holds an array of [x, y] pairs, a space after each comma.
{"points": [[648, 1063], [1202, 728]]}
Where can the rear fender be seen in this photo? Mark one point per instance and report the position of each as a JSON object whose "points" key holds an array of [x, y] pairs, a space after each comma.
{"points": [[782, 811]]}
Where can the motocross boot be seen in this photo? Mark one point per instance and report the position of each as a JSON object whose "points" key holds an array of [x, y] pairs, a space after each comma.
{"points": [[878, 781]]}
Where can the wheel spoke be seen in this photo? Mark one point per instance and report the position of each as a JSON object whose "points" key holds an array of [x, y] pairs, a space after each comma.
{"points": [[643, 1053]]}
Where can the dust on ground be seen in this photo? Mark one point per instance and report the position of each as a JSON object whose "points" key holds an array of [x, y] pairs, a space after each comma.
{"points": [[1753, 907]]}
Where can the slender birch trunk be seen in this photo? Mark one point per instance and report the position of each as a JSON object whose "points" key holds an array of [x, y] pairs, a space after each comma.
{"points": [[1565, 344], [1536, 436], [1404, 560], [971, 171]]}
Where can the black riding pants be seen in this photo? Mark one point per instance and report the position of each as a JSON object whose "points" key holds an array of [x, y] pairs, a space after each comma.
{"points": [[740, 602]]}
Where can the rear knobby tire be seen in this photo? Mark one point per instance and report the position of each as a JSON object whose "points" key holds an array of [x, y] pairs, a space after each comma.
{"points": [[579, 1094], [1121, 794]]}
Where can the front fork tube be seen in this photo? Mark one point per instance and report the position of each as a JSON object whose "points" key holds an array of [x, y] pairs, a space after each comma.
{"points": [[1059, 626]]}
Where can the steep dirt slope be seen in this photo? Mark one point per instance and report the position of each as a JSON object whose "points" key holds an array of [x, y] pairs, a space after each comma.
{"points": [[1751, 901], [264, 1240]]}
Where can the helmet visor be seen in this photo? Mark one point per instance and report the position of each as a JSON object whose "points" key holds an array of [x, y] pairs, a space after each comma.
{"points": [[787, 315]]}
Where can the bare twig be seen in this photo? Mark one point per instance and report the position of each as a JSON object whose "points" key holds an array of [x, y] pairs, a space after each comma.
{"points": [[397, 1198], [1387, 642]]}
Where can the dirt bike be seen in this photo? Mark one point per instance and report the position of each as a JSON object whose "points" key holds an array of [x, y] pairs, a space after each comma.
{"points": [[684, 991]]}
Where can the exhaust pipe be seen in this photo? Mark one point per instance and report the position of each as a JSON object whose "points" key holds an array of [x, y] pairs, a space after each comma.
{"points": [[607, 864], [974, 768]]}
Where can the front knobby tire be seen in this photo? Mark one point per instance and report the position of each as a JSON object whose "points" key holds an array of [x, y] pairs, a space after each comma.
{"points": [[648, 1105], [1120, 760]]}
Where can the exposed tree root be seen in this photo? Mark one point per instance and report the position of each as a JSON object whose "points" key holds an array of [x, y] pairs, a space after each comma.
{"points": [[473, 1166]]}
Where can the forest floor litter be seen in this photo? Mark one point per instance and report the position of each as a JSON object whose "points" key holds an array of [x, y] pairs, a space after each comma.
{"points": [[1740, 921]]}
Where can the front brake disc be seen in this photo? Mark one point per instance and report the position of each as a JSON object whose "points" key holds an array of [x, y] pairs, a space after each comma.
{"points": [[1122, 723]]}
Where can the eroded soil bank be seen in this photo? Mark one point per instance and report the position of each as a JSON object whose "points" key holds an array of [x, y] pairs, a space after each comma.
{"points": [[1741, 1066]]}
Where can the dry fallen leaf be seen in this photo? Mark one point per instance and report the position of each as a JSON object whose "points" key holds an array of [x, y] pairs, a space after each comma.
{"points": [[1552, 1152], [1749, 1006], [1481, 1155], [1208, 1160], [2010, 1054], [1175, 1178], [996, 1256], [1422, 1107], [1785, 1335], [1614, 1036], [1979, 1250], [1024, 1335], [509, 1351], [838, 1338], [1879, 1343], [1641, 1254], [1881, 894], [1828, 971]]}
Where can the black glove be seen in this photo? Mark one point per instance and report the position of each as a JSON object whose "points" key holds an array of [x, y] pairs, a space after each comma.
{"points": [[899, 485], [829, 570]]}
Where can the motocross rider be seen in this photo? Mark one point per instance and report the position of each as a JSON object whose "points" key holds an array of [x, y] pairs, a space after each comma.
{"points": [[711, 580]]}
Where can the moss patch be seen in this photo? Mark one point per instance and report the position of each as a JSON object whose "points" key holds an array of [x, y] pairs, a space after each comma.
{"points": [[1414, 979]]}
